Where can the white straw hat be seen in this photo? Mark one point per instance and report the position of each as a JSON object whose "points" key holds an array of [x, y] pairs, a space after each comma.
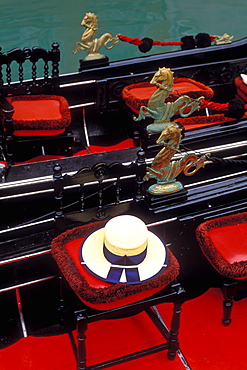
{"points": [[124, 251]]}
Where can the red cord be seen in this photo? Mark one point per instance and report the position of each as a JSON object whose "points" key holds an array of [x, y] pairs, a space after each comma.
{"points": [[167, 43], [214, 106], [131, 40], [217, 106], [138, 42]]}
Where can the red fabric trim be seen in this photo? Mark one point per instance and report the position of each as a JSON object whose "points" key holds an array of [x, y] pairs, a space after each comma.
{"points": [[241, 87], [43, 112], [94, 292], [129, 143], [41, 158], [240, 95], [123, 145], [81, 152], [225, 254], [241, 90], [201, 121], [137, 95], [38, 132]]}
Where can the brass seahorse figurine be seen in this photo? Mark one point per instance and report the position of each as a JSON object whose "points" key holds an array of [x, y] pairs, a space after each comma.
{"points": [[90, 44], [165, 170], [161, 111]]}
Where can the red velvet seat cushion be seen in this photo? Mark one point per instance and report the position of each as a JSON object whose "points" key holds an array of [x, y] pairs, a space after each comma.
{"points": [[224, 243], [95, 292], [137, 95], [35, 113]]}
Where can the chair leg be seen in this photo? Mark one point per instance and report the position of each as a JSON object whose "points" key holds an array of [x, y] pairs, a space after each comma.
{"points": [[229, 291], [175, 324], [81, 336]]}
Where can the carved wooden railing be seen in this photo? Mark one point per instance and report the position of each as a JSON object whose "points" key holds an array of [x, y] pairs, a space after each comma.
{"points": [[9, 73], [102, 191]]}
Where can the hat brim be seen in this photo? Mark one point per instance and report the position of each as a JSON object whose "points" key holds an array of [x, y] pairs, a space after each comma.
{"points": [[94, 260]]}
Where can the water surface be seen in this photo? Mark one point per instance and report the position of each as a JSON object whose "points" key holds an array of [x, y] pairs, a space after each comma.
{"points": [[39, 23]]}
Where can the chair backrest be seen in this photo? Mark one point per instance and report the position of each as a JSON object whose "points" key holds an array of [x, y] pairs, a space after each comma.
{"points": [[97, 193], [21, 72]]}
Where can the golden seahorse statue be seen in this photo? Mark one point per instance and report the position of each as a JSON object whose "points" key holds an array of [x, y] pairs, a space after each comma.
{"points": [[164, 170], [161, 111], [223, 39], [90, 44]]}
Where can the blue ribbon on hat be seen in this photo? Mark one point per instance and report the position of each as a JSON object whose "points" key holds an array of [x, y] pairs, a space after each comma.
{"points": [[115, 272]]}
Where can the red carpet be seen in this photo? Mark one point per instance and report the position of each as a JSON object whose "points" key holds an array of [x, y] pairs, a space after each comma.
{"points": [[205, 342]]}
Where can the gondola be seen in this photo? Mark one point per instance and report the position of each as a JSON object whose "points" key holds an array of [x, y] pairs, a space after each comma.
{"points": [[95, 169]]}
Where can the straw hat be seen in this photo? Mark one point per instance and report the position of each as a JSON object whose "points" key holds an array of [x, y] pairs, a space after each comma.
{"points": [[124, 251]]}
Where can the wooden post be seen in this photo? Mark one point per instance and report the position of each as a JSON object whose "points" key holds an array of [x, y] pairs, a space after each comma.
{"points": [[81, 336], [58, 195], [140, 173]]}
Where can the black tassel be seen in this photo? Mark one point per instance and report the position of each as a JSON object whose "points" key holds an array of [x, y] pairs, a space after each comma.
{"points": [[235, 109], [146, 45], [203, 40], [188, 42]]}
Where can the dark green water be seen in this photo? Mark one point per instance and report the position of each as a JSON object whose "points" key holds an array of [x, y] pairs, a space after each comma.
{"points": [[39, 23]]}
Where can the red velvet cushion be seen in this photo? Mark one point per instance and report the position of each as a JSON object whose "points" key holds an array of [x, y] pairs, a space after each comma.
{"points": [[40, 112], [224, 243], [137, 95], [231, 241], [95, 292]]}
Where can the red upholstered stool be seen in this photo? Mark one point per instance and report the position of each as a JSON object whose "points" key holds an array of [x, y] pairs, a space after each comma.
{"points": [[39, 115], [137, 95], [224, 243], [111, 300]]}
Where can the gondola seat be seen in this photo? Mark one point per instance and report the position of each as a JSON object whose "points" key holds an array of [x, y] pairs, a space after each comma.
{"points": [[224, 243], [35, 117], [39, 115], [138, 94], [113, 300]]}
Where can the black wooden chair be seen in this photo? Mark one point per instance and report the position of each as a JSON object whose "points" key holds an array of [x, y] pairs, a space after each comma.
{"points": [[105, 191], [102, 301], [35, 118], [223, 241]]}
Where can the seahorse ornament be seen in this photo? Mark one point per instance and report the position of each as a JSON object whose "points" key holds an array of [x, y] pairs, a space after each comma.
{"points": [[165, 170]]}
